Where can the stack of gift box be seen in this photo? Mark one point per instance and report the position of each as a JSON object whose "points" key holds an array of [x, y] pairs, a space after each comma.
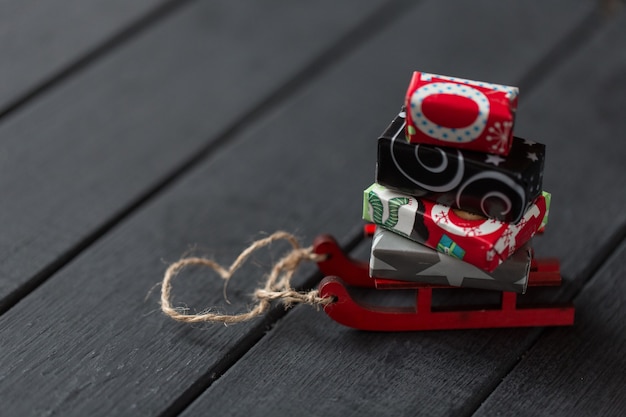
{"points": [[457, 197]]}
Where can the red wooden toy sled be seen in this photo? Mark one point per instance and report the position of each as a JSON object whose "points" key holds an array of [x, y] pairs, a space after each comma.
{"points": [[340, 271]]}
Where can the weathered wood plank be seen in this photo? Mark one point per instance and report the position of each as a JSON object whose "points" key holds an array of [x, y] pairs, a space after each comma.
{"points": [[308, 362], [579, 120], [577, 371], [131, 360], [112, 132], [40, 39], [586, 362], [84, 154]]}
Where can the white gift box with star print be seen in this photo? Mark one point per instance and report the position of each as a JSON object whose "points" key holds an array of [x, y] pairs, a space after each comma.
{"points": [[460, 113], [494, 186], [484, 243], [396, 257]]}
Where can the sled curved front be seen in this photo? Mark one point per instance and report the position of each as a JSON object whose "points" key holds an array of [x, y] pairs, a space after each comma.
{"points": [[336, 262]]}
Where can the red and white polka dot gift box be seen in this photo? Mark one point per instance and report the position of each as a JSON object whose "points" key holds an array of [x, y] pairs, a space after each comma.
{"points": [[459, 113]]}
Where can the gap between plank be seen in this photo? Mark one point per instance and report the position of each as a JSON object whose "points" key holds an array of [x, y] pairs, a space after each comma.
{"points": [[381, 18], [370, 26], [583, 32], [160, 12], [563, 49], [268, 321], [559, 54], [377, 21], [607, 252]]}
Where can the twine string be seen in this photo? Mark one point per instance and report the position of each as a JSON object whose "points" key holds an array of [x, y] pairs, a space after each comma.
{"points": [[277, 285]]}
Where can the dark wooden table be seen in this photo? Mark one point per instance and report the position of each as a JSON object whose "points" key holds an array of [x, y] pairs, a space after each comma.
{"points": [[135, 132]]}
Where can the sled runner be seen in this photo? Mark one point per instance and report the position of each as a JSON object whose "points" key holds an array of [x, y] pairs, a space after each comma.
{"points": [[342, 271]]}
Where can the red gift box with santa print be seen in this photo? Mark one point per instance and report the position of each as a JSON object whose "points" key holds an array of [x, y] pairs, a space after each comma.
{"points": [[459, 113], [482, 242]]}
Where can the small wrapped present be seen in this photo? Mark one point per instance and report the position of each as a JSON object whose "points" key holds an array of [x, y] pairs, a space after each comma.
{"points": [[396, 257], [500, 187], [484, 243], [449, 111]]}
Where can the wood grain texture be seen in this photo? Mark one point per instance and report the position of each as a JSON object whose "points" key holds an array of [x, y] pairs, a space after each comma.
{"points": [[579, 121], [310, 363], [39, 39], [87, 342], [577, 371], [580, 371], [86, 152], [101, 348]]}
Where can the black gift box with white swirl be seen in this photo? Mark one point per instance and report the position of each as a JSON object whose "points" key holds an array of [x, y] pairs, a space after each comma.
{"points": [[494, 186]]}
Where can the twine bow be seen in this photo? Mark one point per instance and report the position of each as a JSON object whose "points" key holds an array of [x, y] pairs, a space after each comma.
{"points": [[277, 286]]}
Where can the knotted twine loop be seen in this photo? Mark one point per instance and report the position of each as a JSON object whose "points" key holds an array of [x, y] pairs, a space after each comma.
{"points": [[277, 285]]}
